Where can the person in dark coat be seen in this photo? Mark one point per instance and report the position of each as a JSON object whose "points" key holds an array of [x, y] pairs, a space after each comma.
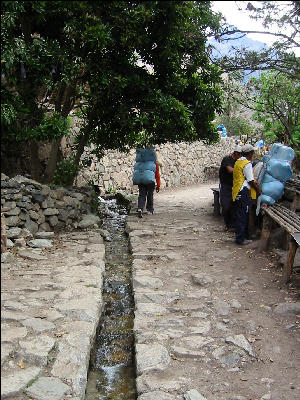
{"points": [[226, 181]]}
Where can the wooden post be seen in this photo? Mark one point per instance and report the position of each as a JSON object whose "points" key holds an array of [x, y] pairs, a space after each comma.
{"points": [[3, 234], [251, 225], [265, 233], [216, 202], [287, 269]]}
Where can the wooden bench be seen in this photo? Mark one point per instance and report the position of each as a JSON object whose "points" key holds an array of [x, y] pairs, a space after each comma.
{"points": [[292, 193], [288, 220], [217, 207]]}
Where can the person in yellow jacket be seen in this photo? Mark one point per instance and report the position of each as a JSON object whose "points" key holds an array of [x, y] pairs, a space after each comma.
{"points": [[244, 188]]}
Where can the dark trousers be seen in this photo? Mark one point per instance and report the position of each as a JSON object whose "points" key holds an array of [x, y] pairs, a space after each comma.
{"points": [[146, 196], [241, 215], [226, 204]]}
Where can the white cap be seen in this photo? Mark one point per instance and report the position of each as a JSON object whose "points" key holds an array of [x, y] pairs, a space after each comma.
{"points": [[238, 149], [247, 148]]}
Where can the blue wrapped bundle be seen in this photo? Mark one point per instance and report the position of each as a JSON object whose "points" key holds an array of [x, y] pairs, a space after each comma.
{"points": [[145, 165], [273, 189], [282, 152], [143, 155], [268, 178], [143, 177], [144, 168], [267, 200], [279, 169]]}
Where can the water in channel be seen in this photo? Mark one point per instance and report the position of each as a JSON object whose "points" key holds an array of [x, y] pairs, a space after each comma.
{"points": [[112, 370]]}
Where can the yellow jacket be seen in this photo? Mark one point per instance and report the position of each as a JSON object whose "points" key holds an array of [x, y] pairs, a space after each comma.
{"points": [[239, 178]]}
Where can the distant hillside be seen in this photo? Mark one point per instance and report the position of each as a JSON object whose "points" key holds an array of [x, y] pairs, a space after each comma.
{"points": [[226, 48]]}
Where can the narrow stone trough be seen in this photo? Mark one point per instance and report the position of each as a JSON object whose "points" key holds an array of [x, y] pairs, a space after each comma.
{"points": [[112, 370]]}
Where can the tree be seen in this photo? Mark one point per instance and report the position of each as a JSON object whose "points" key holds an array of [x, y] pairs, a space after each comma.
{"points": [[137, 72], [236, 115], [277, 99]]}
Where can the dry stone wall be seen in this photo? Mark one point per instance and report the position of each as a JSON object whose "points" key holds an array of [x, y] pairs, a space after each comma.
{"points": [[27, 204], [182, 164]]}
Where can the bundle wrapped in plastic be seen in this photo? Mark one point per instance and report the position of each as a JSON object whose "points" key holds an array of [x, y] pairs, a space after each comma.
{"points": [[144, 168], [147, 154], [274, 172]]}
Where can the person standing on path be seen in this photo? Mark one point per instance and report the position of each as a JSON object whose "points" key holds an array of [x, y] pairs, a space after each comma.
{"points": [[244, 188], [145, 175], [226, 182]]}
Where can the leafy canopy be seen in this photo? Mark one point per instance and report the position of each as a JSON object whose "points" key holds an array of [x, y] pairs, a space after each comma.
{"points": [[136, 72]]}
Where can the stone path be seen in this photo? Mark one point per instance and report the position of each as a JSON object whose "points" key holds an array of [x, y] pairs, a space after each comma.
{"points": [[208, 323], [211, 320], [50, 307]]}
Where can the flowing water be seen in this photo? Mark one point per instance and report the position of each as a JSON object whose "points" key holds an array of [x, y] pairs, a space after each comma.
{"points": [[112, 370]]}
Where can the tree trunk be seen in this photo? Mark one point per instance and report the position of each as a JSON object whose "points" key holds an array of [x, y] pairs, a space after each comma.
{"points": [[3, 234], [35, 163], [53, 159]]}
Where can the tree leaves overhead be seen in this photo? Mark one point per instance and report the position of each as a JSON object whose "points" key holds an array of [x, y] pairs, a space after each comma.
{"points": [[138, 72]]}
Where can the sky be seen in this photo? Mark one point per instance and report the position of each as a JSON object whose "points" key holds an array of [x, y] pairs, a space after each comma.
{"points": [[241, 20]]}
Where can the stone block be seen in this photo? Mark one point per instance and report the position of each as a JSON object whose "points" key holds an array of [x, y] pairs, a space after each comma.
{"points": [[53, 220], [48, 388], [12, 385], [154, 357]]}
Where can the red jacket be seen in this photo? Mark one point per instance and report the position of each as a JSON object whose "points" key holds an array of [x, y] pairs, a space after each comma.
{"points": [[157, 176]]}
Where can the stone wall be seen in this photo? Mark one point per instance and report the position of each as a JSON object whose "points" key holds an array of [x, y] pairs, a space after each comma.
{"points": [[182, 164], [28, 204]]}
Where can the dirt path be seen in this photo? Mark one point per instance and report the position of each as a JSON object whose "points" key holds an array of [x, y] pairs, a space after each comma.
{"points": [[210, 315]]}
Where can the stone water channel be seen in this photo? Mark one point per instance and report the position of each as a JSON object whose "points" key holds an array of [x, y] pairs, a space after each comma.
{"points": [[112, 370]]}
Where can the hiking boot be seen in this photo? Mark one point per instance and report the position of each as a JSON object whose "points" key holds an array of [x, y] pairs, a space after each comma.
{"points": [[140, 213], [245, 242]]}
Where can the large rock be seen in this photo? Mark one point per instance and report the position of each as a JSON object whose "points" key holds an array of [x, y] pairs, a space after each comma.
{"points": [[287, 308], [157, 395], [242, 342], [48, 388], [44, 235], [13, 384], [40, 243], [13, 233], [38, 324], [89, 221], [36, 351], [151, 357], [193, 395]]}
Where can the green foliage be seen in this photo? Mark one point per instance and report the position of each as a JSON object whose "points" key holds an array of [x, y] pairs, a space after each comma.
{"points": [[111, 190], [136, 72], [238, 125], [52, 126], [277, 100], [65, 172]]}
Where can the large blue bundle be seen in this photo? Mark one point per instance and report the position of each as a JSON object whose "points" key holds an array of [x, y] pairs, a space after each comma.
{"points": [[282, 152], [144, 168], [267, 200], [143, 155], [273, 189], [143, 177], [276, 171], [268, 178], [279, 169], [145, 165]]}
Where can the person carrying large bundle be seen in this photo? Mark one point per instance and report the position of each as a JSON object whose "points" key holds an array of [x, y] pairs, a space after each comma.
{"points": [[244, 188], [145, 175], [225, 185]]}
